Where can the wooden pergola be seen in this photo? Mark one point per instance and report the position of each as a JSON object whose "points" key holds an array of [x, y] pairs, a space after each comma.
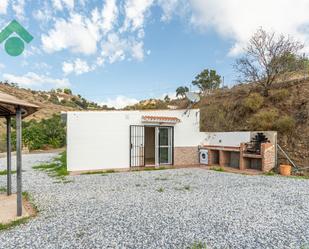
{"points": [[11, 106]]}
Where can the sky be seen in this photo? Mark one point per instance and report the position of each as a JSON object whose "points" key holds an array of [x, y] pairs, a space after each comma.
{"points": [[117, 52]]}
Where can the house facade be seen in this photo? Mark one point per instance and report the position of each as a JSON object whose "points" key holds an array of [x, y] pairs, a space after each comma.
{"points": [[124, 139], [101, 140]]}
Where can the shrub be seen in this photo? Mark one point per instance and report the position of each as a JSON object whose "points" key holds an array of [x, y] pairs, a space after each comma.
{"points": [[67, 91], [279, 95], [264, 119], [253, 102], [285, 124], [217, 115], [54, 99], [39, 135]]}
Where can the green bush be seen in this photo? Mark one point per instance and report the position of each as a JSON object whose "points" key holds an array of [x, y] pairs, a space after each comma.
{"points": [[43, 134], [253, 102], [285, 124], [264, 120], [67, 91], [279, 95]]}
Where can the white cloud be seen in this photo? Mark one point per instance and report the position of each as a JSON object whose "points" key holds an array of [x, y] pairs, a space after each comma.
{"points": [[2, 66], [43, 15], [60, 4], [31, 79], [78, 67], [239, 19], [168, 7], [109, 15], [79, 34], [69, 3], [19, 8], [57, 4], [138, 51], [120, 102], [135, 12], [114, 48], [3, 6], [117, 48]]}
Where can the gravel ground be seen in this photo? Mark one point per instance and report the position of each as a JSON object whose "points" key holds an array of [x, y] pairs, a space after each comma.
{"points": [[162, 209]]}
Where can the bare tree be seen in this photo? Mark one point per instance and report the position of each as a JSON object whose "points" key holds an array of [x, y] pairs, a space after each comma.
{"points": [[267, 58]]}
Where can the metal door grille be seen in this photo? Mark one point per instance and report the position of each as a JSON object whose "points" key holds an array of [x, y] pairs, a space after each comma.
{"points": [[137, 146]]}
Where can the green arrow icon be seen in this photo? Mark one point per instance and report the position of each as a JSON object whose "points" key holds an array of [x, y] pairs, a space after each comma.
{"points": [[14, 46]]}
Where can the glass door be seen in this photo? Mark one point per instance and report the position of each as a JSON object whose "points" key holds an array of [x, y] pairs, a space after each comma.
{"points": [[165, 145]]}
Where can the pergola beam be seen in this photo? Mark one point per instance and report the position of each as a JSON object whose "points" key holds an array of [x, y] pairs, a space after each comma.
{"points": [[10, 107], [9, 155], [18, 160]]}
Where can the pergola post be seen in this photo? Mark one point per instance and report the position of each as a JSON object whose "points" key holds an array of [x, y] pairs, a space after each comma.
{"points": [[18, 160], [8, 155]]}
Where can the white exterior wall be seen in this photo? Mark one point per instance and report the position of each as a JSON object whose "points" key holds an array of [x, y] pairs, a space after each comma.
{"points": [[100, 140], [226, 138]]}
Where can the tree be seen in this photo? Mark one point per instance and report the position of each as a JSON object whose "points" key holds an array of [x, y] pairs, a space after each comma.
{"points": [[67, 91], [167, 99], [207, 80], [268, 57], [181, 91], [41, 134]]}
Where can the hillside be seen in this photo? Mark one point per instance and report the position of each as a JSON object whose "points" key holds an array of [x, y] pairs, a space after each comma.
{"points": [[242, 108], [50, 102]]}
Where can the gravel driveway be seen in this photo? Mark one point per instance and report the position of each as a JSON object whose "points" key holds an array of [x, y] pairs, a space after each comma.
{"points": [[162, 209]]}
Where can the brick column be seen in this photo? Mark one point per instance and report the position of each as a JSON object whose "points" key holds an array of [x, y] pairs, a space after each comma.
{"points": [[210, 157], [241, 157], [224, 159], [268, 153]]}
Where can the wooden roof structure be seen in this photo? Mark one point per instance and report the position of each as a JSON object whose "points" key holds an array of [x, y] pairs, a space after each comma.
{"points": [[9, 103], [11, 106]]}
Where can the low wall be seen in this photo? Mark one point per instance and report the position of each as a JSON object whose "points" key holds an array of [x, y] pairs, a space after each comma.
{"points": [[186, 156]]}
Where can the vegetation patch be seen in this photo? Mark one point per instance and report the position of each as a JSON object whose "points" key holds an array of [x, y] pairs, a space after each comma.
{"points": [[306, 177], [160, 190], [219, 169], [4, 172], [29, 199], [154, 168], [270, 173], [93, 173], [198, 245], [57, 168], [279, 95], [13, 223], [253, 102], [285, 124], [99, 172], [44, 134], [2, 189], [264, 119]]}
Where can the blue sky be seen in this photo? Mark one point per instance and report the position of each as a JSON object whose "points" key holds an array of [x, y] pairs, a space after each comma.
{"points": [[117, 52]]}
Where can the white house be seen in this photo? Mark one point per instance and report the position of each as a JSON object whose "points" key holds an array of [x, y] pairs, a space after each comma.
{"points": [[98, 140]]}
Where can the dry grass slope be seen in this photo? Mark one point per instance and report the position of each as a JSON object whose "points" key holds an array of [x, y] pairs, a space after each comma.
{"points": [[242, 108]]}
